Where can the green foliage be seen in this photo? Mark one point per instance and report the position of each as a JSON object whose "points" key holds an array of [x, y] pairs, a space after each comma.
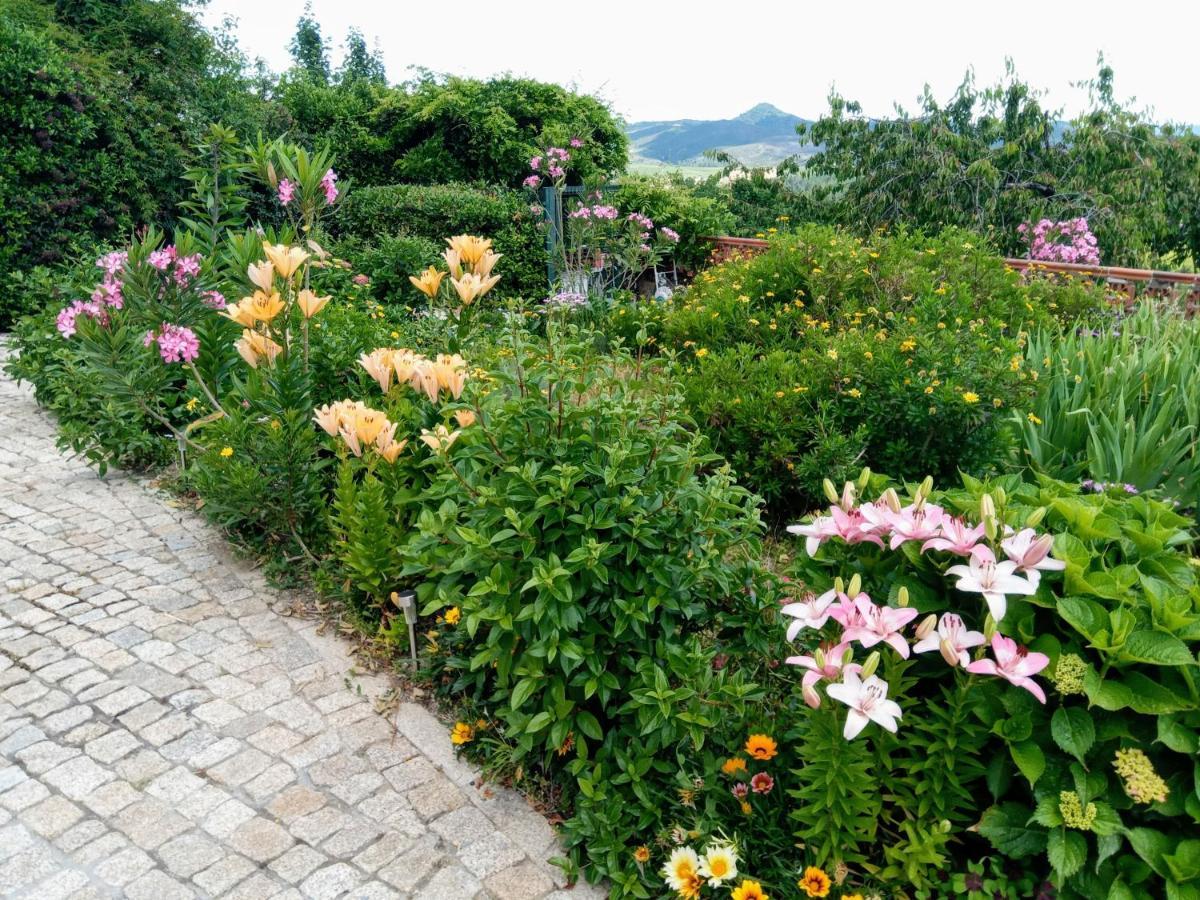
{"points": [[432, 213], [675, 204], [830, 351], [309, 49], [1119, 405], [991, 159]]}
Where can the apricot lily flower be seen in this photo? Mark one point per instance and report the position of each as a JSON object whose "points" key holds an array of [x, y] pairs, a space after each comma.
{"points": [[262, 275], [285, 259], [310, 304], [428, 282]]}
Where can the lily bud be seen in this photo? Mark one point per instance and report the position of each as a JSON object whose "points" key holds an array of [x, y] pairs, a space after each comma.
{"points": [[892, 499], [989, 628], [811, 697], [830, 490], [870, 665], [272, 178], [849, 496], [902, 596], [949, 654], [926, 626], [926, 487], [847, 655], [819, 658], [855, 586], [999, 494], [1035, 517], [990, 527], [864, 478], [987, 507], [918, 503], [838, 585]]}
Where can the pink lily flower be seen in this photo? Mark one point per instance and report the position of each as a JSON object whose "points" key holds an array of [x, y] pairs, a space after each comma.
{"points": [[868, 702], [845, 611], [916, 524], [826, 665], [1032, 554], [815, 533], [853, 528], [953, 640], [992, 579], [960, 540], [810, 612], [877, 517], [880, 624], [1014, 664]]}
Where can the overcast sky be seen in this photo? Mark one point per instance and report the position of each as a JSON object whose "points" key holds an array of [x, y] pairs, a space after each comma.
{"points": [[709, 60]]}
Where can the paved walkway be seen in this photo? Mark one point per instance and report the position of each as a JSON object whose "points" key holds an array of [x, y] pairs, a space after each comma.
{"points": [[165, 732]]}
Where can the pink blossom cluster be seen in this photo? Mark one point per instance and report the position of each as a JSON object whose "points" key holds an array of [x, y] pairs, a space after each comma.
{"points": [[1069, 241], [567, 299], [552, 163], [599, 211], [112, 263], [176, 343], [287, 191], [68, 316], [328, 186], [213, 299], [182, 268], [643, 220], [670, 234]]}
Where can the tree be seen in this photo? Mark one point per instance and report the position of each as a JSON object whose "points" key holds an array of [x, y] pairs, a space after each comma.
{"points": [[361, 64], [310, 52]]}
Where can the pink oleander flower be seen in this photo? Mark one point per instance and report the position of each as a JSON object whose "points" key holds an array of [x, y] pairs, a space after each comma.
{"points": [[556, 171], [1014, 664], [810, 611], [992, 579], [532, 181], [583, 212], [287, 191], [162, 259], [880, 624], [644, 221], [361, 279], [113, 262], [176, 343], [108, 293], [576, 142], [328, 186], [916, 523], [762, 783], [602, 211], [1032, 554], [826, 664], [815, 533], [213, 299], [956, 537], [952, 639], [535, 163], [68, 317], [670, 234], [868, 702], [186, 268]]}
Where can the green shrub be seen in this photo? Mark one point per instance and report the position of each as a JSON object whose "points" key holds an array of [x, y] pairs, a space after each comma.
{"points": [[902, 353], [1120, 405], [436, 212], [390, 260], [675, 204]]}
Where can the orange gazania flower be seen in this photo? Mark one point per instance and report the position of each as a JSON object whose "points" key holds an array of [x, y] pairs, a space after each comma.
{"points": [[733, 765], [453, 615], [691, 887], [641, 855], [749, 890], [815, 882], [761, 746], [462, 733]]}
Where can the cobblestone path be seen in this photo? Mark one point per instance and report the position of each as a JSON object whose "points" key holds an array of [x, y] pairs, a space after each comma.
{"points": [[165, 732]]}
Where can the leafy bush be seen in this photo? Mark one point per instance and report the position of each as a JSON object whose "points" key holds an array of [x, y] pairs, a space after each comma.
{"points": [[432, 212], [1119, 405], [675, 204], [902, 353]]}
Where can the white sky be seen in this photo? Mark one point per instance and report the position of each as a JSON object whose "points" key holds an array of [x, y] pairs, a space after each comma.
{"points": [[710, 60]]}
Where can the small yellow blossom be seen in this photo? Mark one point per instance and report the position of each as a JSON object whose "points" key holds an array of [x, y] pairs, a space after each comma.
{"points": [[970, 397], [226, 452], [462, 733], [453, 615]]}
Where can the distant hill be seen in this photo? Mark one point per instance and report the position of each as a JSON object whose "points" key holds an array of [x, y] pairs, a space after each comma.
{"points": [[760, 136]]}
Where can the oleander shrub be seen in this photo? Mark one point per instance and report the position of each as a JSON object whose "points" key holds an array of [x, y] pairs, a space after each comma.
{"points": [[431, 212], [902, 353], [675, 204]]}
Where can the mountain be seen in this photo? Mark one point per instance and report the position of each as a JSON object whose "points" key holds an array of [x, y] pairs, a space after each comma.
{"points": [[762, 135]]}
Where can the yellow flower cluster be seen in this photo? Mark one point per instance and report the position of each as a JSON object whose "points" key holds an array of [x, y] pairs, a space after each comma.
{"points": [[1069, 673], [1142, 783], [1073, 813], [359, 427], [446, 372]]}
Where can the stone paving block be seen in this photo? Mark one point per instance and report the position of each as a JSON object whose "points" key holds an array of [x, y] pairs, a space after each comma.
{"points": [[166, 732]]}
